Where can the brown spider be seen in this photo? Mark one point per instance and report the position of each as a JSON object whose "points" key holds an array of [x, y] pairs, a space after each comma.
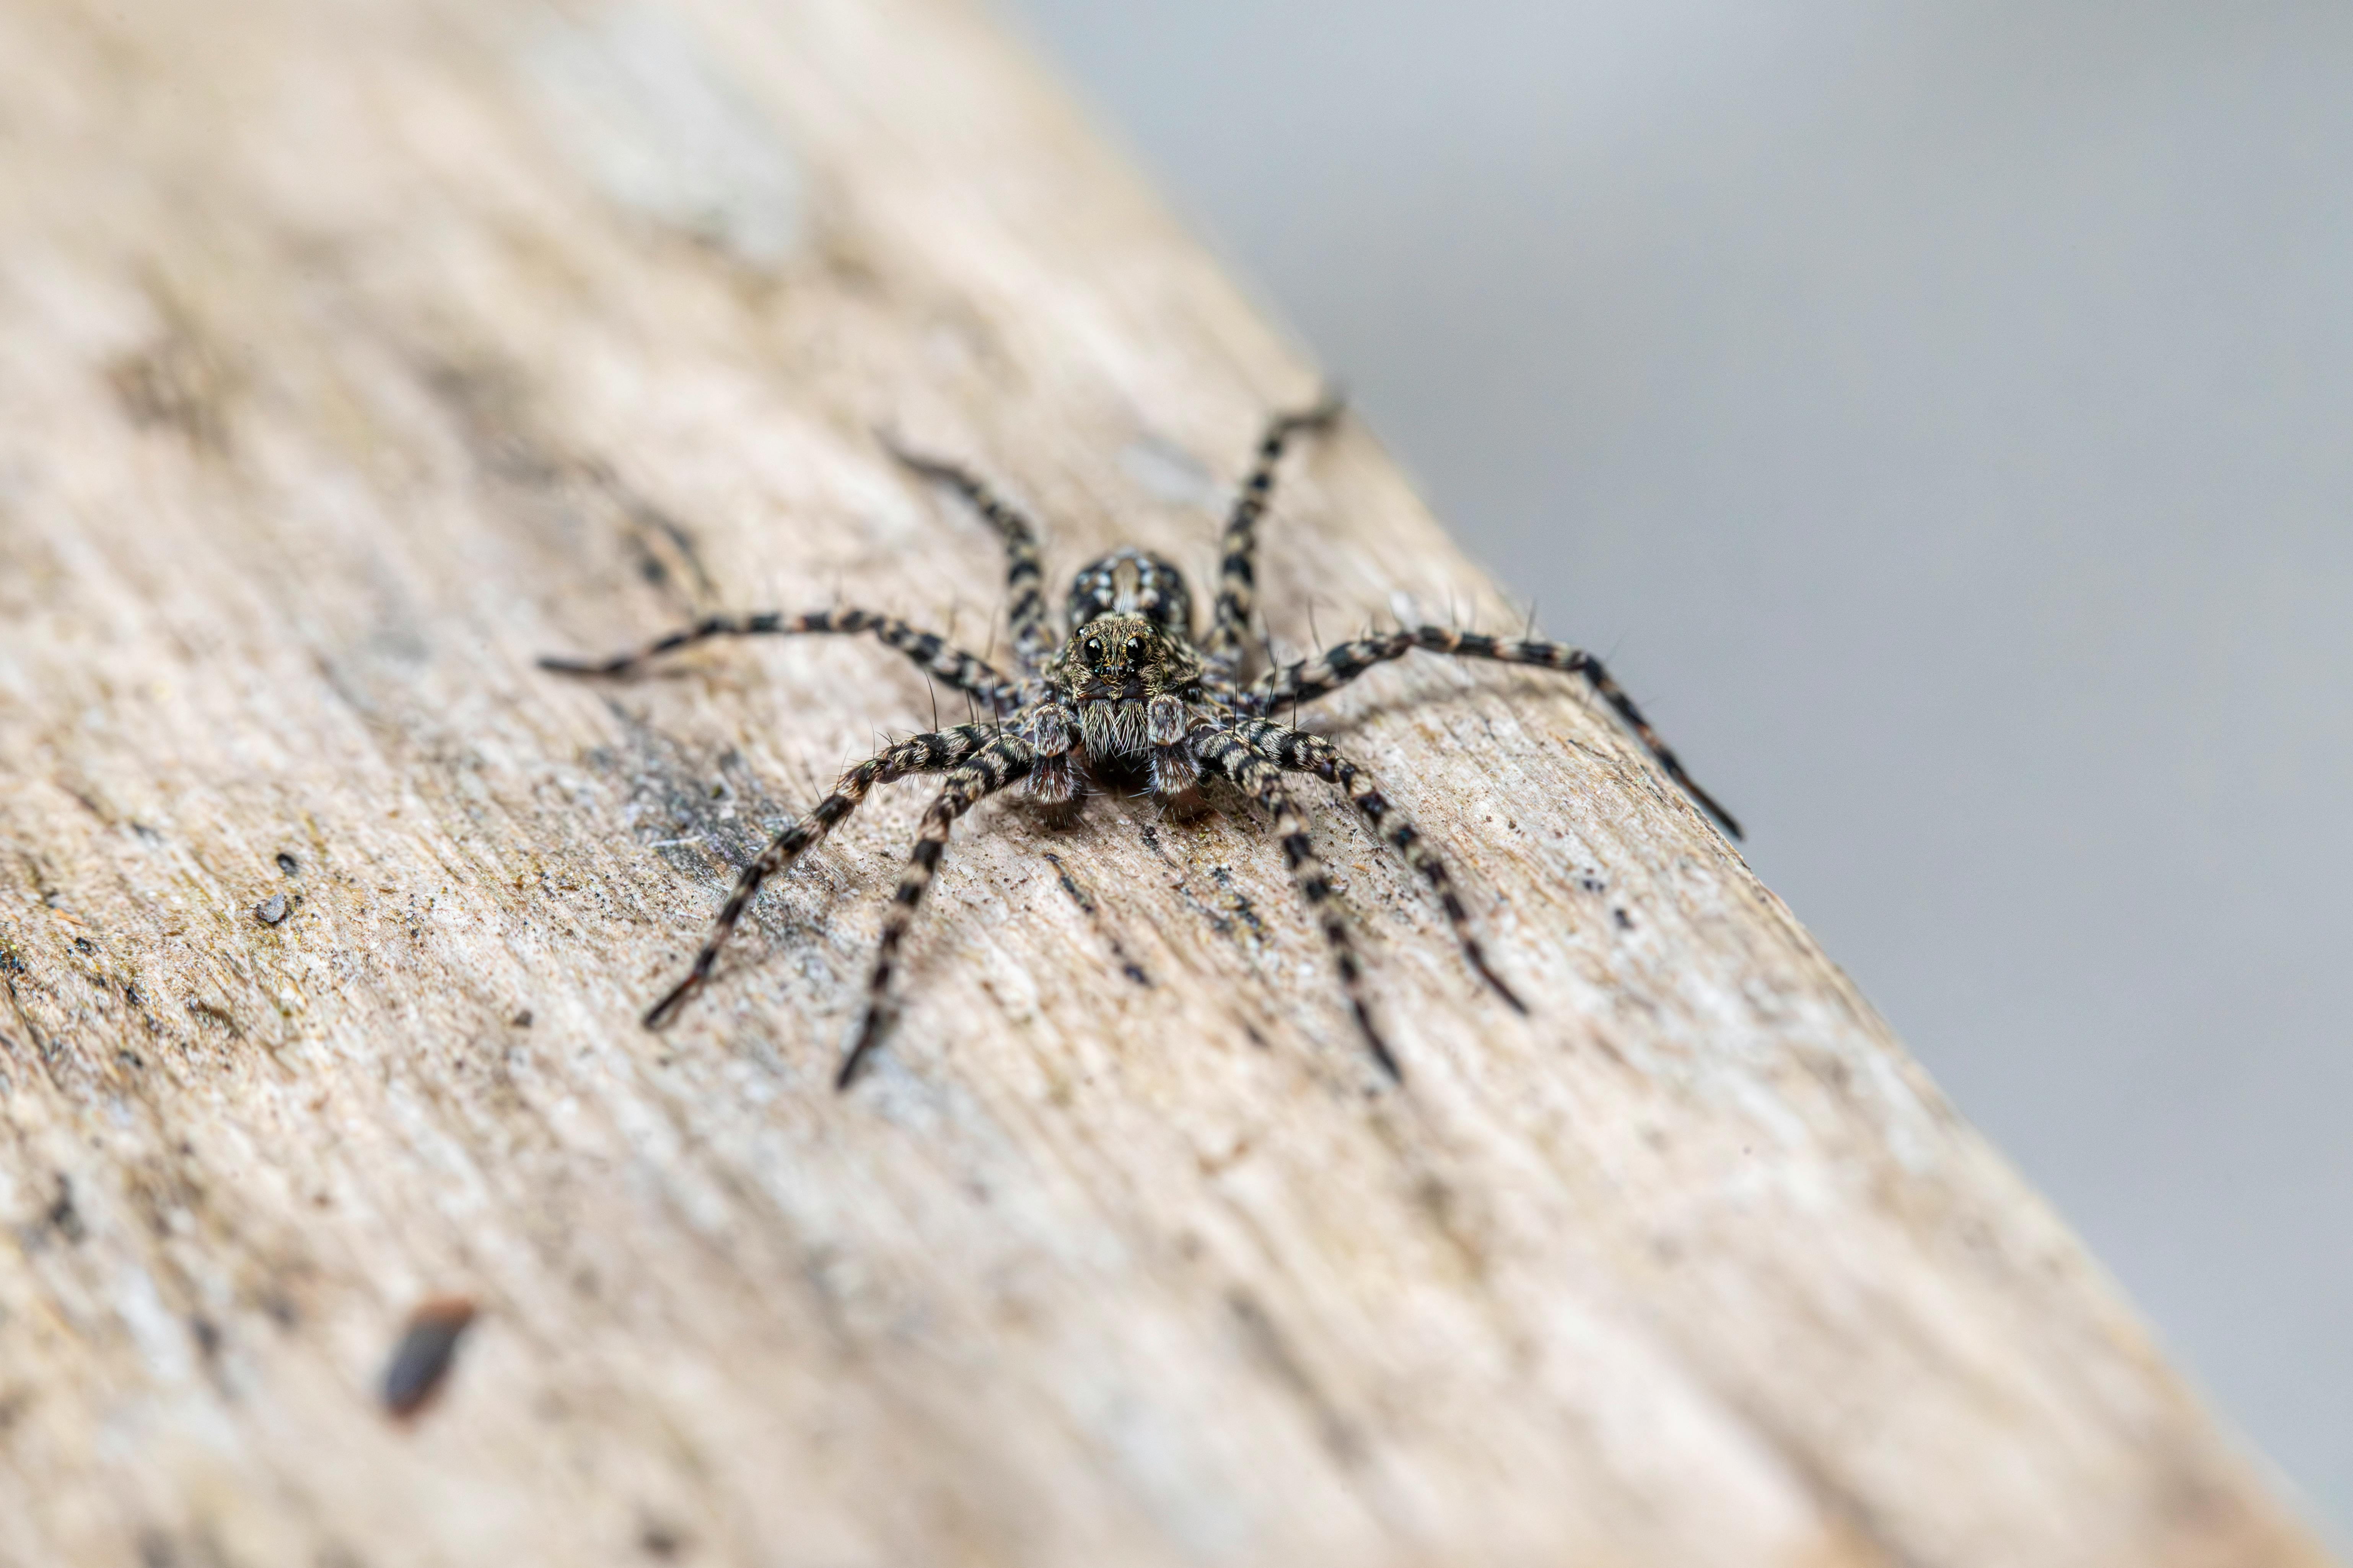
{"points": [[1129, 701]]}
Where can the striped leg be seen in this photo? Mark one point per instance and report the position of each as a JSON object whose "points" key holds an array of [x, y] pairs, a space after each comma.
{"points": [[956, 667], [999, 762], [1225, 754], [1034, 641], [1238, 564], [1052, 732], [1319, 677], [923, 754], [1301, 753]]}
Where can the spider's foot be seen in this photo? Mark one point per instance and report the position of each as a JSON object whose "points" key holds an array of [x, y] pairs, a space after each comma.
{"points": [[660, 1014], [1382, 1056], [1724, 818], [870, 1034], [1323, 412], [562, 666], [1471, 950], [920, 463]]}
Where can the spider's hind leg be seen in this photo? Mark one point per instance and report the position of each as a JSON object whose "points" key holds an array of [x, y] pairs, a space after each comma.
{"points": [[1000, 761], [923, 753], [1224, 754], [1302, 752]]}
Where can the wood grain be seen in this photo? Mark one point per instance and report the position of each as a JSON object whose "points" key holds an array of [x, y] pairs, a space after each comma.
{"points": [[358, 353]]}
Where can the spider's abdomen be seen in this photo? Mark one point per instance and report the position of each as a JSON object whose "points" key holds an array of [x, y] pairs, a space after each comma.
{"points": [[1133, 583]]}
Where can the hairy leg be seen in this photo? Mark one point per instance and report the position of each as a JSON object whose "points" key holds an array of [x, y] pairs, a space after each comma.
{"points": [[923, 754], [1223, 753], [1299, 752], [1319, 677], [958, 669], [1032, 632], [1051, 728], [1238, 556], [1000, 761]]}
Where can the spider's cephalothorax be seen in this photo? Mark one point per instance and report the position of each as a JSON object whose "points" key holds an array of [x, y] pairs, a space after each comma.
{"points": [[1129, 680], [1126, 700]]}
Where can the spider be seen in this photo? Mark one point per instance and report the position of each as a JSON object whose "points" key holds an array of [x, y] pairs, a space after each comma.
{"points": [[1127, 701]]}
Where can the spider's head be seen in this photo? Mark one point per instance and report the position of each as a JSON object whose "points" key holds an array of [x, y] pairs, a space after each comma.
{"points": [[1124, 656], [1133, 583]]}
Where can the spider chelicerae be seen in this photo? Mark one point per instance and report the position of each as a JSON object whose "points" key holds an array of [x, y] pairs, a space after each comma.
{"points": [[1130, 701]]}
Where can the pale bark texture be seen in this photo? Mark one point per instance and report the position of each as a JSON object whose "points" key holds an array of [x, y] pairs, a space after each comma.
{"points": [[356, 352]]}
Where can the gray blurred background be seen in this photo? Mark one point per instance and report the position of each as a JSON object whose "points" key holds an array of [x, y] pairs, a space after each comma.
{"points": [[1942, 418]]}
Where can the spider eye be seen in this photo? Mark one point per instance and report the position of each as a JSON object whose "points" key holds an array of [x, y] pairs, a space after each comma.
{"points": [[1094, 647], [1134, 647]]}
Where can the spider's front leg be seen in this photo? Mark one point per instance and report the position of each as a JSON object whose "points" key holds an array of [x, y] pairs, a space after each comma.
{"points": [[923, 754], [963, 671], [1300, 752], [1051, 731], [1226, 754], [1311, 678], [1170, 761], [1033, 630], [1238, 555], [1002, 761]]}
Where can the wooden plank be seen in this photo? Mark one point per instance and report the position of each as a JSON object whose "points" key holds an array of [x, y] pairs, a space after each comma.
{"points": [[359, 353]]}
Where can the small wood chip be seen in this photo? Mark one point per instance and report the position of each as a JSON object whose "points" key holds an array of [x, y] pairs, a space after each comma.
{"points": [[271, 909], [421, 1361]]}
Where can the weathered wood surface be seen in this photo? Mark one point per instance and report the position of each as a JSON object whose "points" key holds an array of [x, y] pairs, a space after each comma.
{"points": [[358, 353]]}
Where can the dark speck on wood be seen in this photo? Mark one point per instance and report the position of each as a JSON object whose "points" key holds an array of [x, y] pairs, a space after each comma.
{"points": [[421, 1361]]}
